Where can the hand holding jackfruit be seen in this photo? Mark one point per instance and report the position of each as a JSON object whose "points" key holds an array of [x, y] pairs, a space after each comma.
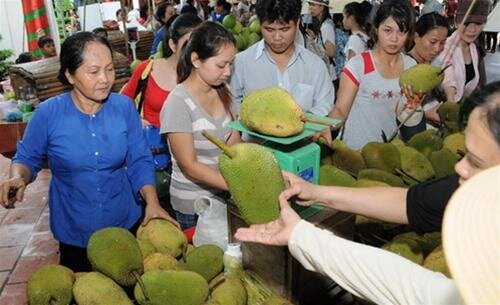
{"points": [[273, 111], [51, 285], [164, 236], [254, 179], [115, 252], [422, 77], [96, 288]]}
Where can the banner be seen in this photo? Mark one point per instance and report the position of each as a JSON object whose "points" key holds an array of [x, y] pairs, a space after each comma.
{"points": [[37, 24]]}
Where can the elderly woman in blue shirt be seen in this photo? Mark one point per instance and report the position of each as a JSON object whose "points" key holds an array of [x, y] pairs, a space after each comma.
{"points": [[97, 154]]}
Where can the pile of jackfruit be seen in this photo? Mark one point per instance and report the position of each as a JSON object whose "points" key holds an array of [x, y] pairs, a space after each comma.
{"points": [[156, 267]]}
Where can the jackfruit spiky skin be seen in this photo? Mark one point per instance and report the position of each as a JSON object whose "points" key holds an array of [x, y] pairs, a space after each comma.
{"points": [[190, 248], [348, 160], [427, 241], [426, 142], [272, 111], [331, 175], [170, 287], [146, 247], [206, 260], [436, 261], [164, 236], [381, 175], [384, 156], [276, 300], [448, 111], [422, 77], [254, 180], [115, 252], [443, 162], [51, 285], [96, 288], [415, 164], [398, 142], [161, 261], [369, 183], [456, 143], [406, 248], [228, 290]]}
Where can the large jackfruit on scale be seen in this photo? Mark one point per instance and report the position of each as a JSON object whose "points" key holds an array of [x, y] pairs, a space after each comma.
{"points": [[273, 111], [51, 285], [422, 77], [253, 177]]}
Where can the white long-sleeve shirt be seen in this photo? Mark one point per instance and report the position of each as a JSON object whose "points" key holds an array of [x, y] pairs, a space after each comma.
{"points": [[368, 272]]}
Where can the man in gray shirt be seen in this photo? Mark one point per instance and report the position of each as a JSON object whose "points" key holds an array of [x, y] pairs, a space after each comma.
{"points": [[277, 61]]}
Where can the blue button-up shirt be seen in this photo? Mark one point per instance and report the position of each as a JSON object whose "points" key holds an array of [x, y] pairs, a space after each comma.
{"points": [[99, 163]]}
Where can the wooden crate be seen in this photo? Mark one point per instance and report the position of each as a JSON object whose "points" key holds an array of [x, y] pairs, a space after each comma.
{"points": [[282, 272], [42, 76], [143, 47]]}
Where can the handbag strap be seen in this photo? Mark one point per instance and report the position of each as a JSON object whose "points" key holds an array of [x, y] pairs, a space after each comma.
{"points": [[141, 85]]}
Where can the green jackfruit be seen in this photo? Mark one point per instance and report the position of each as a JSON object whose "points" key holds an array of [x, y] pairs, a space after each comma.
{"points": [[255, 194], [414, 164], [95, 288], [426, 141], [276, 300], [456, 143], [272, 111], [330, 175], [205, 260], [164, 236], [51, 285], [369, 183], [347, 159], [422, 77], [443, 162], [161, 261], [381, 175], [436, 261], [384, 156], [115, 252], [427, 241], [398, 142], [448, 112], [406, 248], [227, 290], [170, 287], [146, 247]]}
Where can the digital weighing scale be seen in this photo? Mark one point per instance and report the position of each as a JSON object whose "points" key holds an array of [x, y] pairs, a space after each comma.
{"points": [[295, 154]]}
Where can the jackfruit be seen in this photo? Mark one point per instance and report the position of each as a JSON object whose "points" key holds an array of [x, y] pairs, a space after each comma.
{"points": [[258, 291], [381, 175], [426, 142], [414, 164], [448, 111], [96, 288], [161, 261], [146, 247], [436, 261], [427, 241], [206, 260], [171, 287], [330, 175], [369, 183], [384, 156], [422, 77], [273, 111], [406, 248], [398, 142], [277, 300], [347, 159], [51, 285], [189, 248], [456, 143], [115, 252], [164, 236], [227, 290], [443, 162], [254, 179]]}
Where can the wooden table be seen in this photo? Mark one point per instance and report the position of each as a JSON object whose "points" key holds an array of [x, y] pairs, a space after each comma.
{"points": [[10, 134]]}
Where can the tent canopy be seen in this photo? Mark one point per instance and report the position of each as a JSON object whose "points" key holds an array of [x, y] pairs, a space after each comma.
{"points": [[493, 23]]}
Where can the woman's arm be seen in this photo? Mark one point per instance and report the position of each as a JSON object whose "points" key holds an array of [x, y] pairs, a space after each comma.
{"points": [[153, 207], [182, 148]]}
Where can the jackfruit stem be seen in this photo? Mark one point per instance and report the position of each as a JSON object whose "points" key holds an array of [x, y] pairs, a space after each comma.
{"points": [[316, 121], [141, 284], [442, 70], [322, 141], [223, 146]]}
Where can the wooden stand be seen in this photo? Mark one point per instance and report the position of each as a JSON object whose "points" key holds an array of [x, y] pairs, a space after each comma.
{"points": [[10, 134]]}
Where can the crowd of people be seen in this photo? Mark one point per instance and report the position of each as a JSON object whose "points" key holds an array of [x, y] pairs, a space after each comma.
{"points": [[104, 176]]}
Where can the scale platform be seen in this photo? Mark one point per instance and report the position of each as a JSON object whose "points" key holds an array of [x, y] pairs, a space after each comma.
{"points": [[295, 154]]}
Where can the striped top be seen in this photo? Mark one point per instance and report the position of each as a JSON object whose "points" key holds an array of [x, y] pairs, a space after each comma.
{"points": [[182, 113]]}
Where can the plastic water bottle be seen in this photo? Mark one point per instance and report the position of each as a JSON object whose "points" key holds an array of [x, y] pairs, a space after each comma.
{"points": [[233, 258]]}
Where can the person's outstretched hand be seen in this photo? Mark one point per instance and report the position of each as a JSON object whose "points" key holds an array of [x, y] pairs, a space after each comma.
{"points": [[156, 211], [7, 187], [302, 191], [277, 232]]}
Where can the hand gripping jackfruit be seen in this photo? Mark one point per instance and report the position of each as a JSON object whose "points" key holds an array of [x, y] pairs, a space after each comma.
{"points": [[422, 77], [253, 177]]}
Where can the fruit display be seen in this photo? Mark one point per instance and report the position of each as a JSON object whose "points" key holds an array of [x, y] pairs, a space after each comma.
{"points": [[422, 77], [240, 165], [195, 278], [244, 36]]}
